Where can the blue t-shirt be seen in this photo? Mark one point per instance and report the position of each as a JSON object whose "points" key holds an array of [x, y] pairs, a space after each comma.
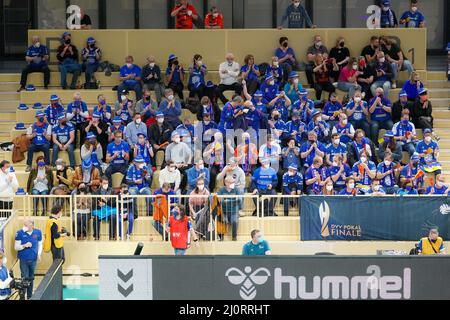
{"points": [[227, 116], [63, 133], [403, 129], [429, 149], [144, 151], [176, 77], [40, 139], [281, 54], [411, 89], [389, 180], [379, 114], [125, 71], [437, 190], [38, 54], [342, 132], [29, 254], [277, 73], [269, 92], [251, 249], [340, 182], [251, 75], [197, 78], [415, 18], [291, 159], [324, 173], [294, 182], [332, 150], [304, 115], [81, 106], [358, 114], [134, 174], [103, 111], [113, 147], [366, 180], [309, 159], [293, 126], [320, 130], [330, 108], [263, 177]]}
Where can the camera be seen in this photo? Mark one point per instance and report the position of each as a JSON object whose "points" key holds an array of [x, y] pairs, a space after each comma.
{"points": [[20, 285], [63, 230]]}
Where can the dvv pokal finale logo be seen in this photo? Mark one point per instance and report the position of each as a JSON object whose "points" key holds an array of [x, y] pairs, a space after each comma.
{"points": [[329, 228]]}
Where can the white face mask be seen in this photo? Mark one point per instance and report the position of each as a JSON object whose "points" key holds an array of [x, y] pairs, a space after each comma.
{"points": [[232, 186], [141, 166], [414, 9], [123, 97], [104, 186], [171, 169], [201, 187], [170, 97], [200, 62], [291, 174], [363, 159], [385, 9], [205, 106], [319, 118], [25, 229], [129, 65], [351, 185], [319, 44], [376, 187], [336, 141], [271, 83], [427, 139], [177, 140], [382, 60], [355, 67], [329, 188], [276, 64], [296, 81], [344, 122], [37, 44], [138, 121], [152, 64], [59, 167], [160, 120], [439, 183], [201, 167], [387, 163], [335, 164], [357, 99], [296, 4]]}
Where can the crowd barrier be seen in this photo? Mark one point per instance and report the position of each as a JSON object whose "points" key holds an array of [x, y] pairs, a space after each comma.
{"points": [[213, 45]]}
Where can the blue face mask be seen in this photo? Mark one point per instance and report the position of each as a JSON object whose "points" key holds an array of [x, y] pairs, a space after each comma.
{"points": [[405, 122], [304, 98], [247, 141], [260, 239], [41, 119]]}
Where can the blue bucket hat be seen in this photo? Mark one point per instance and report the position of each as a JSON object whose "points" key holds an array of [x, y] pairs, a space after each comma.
{"points": [[389, 134], [20, 126], [159, 115], [175, 133], [22, 106], [87, 163], [139, 159], [315, 113], [172, 57], [293, 168], [61, 116], [269, 76], [20, 192], [209, 84], [97, 115], [90, 135], [40, 114], [54, 97], [37, 105], [402, 93], [427, 130], [67, 33], [117, 119], [142, 134], [264, 160], [258, 93], [293, 74], [303, 92], [386, 3], [415, 157], [423, 91], [30, 87], [90, 40]]}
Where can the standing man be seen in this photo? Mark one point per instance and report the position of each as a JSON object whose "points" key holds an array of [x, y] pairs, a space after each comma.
{"points": [[37, 57], [297, 16], [67, 56], [413, 18], [257, 246], [184, 14], [55, 234], [28, 244], [433, 244], [130, 76]]}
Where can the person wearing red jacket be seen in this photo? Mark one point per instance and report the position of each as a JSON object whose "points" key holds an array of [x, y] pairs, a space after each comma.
{"points": [[184, 14], [180, 228], [214, 19]]}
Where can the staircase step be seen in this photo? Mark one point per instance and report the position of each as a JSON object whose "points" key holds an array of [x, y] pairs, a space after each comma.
{"points": [[438, 84], [436, 75], [440, 103], [9, 105], [9, 95], [439, 93], [10, 77], [8, 86]]}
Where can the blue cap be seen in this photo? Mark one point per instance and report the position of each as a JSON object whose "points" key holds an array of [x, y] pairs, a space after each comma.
{"points": [[402, 93], [303, 92], [269, 76], [389, 134], [40, 114], [172, 56], [258, 93], [423, 91], [90, 40], [209, 84], [20, 192], [37, 105], [22, 106], [206, 112], [415, 157], [20, 126], [30, 87], [117, 119], [96, 114], [67, 33], [264, 160], [293, 168], [293, 74], [386, 3], [159, 114], [54, 97], [175, 133], [315, 113], [142, 134], [87, 163], [139, 159], [427, 130], [90, 135], [61, 116]]}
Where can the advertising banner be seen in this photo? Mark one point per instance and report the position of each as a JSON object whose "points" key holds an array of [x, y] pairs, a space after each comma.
{"points": [[373, 218]]}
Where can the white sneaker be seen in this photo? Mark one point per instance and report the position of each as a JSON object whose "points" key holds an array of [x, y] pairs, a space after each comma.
{"points": [[394, 85]]}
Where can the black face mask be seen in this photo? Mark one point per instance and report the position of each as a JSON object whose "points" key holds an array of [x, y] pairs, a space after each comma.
{"points": [[175, 62], [341, 44], [68, 41], [285, 44], [124, 191], [82, 190], [276, 117]]}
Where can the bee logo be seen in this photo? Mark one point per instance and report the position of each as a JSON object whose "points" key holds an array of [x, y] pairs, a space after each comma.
{"points": [[247, 280]]}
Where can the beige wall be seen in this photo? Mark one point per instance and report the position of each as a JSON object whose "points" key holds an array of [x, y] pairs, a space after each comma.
{"points": [[213, 45]]}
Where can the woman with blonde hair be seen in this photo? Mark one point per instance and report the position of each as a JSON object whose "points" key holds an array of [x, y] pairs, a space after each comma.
{"points": [[413, 86]]}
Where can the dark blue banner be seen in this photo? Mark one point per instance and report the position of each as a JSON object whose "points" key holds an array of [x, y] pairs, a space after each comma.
{"points": [[373, 218]]}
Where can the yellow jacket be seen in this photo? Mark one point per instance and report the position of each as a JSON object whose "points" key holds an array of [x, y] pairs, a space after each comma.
{"points": [[48, 235], [428, 247]]}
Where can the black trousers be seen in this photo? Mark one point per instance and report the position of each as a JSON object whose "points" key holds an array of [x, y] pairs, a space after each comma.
{"points": [[31, 69], [320, 87], [236, 87], [57, 253], [115, 169]]}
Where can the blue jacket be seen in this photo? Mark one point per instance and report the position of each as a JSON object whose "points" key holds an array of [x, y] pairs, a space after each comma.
{"points": [[40, 52], [193, 175], [263, 177], [291, 183], [134, 174]]}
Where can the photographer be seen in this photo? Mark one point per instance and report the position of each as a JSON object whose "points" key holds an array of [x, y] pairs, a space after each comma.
{"points": [[5, 280], [55, 234], [28, 244]]}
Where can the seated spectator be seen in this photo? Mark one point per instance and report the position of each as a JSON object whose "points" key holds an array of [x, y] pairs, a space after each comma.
{"points": [[171, 175], [348, 78], [350, 188], [439, 188], [286, 57], [117, 156], [384, 74], [91, 56], [86, 175], [339, 172], [396, 58], [254, 118], [197, 73], [360, 143], [319, 126], [290, 155], [67, 55], [233, 170], [186, 130], [99, 129], [341, 55], [335, 148], [62, 178], [151, 77], [124, 107], [132, 130], [413, 86], [295, 128], [293, 87], [198, 198], [316, 176], [277, 71], [365, 78], [364, 171], [170, 108], [387, 174], [412, 175], [380, 108], [271, 150], [305, 106], [204, 130], [422, 111], [144, 149], [103, 108], [427, 149], [264, 182], [297, 16], [390, 145], [77, 113], [215, 155], [228, 73], [104, 199], [399, 106], [376, 189], [324, 70], [405, 133], [277, 127], [413, 18], [408, 189], [332, 110], [146, 107], [388, 18], [130, 77], [358, 112], [311, 149], [37, 58], [139, 179], [40, 135], [371, 51], [317, 47], [231, 205], [269, 88], [53, 110], [40, 182], [184, 14], [281, 103], [63, 136], [159, 132], [250, 73], [328, 189], [344, 130], [214, 19], [292, 185], [246, 154], [175, 76], [207, 107], [167, 191], [116, 125], [83, 206], [181, 155], [197, 172], [92, 150]]}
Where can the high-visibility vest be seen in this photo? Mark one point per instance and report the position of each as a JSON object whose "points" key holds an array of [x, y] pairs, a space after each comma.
{"points": [[48, 235], [427, 245], [179, 232]]}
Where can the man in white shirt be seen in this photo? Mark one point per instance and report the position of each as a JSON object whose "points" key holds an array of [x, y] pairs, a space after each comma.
{"points": [[228, 72]]}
